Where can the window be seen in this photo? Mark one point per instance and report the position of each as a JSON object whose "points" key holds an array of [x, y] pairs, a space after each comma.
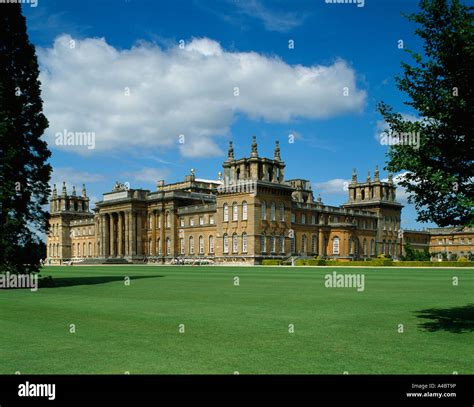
{"points": [[282, 243], [264, 211], [235, 212], [282, 212], [211, 219], [211, 244], [191, 245], [335, 245], [272, 243], [226, 243], [303, 244], [181, 222], [372, 247], [226, 212], [313, 219], [181, 245], [313, 244], [272, 212], [159, 246], [303, 219], [167, 220], [351, 247], [168, 246], [191, 221], [150, 247], [364, 247], [293, 218], [201, 220], [440, 242], [389, 247], [293, 244], [336, 220], [201, 245], [150, 221], [235, 243], [244, 210], [263, 243], [244, 242]]}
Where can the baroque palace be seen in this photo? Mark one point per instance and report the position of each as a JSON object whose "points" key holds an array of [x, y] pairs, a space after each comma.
{"points": [[249, 214]]}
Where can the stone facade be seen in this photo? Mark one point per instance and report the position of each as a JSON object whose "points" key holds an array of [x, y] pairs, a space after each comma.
{"points": [[249, 214]]}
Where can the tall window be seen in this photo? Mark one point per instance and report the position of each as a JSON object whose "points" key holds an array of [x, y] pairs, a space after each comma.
{"points": [[167, 219], [244, 210], [303, 244], [225, 243], [244, 242], [226, 212], [272, 212], [282, 243], [235, 211], [263, 243], [293, 244], [372, 247], [303, 219], [235, 243], [181, 246], [201, 245], [335, 245], [191, 245], [272, 243], [211, 220], [168, 246], [211, 244], [313, 244], [351, 247], [282, 212], [201, 220], [150, 247], [191, 221], [293, 218], [159, 246], [264, 211], [389, 247], [364, 247], [181, 222]]}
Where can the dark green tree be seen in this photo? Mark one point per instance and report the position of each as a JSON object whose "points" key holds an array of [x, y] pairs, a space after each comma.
{"points": [[24, 172], [440, 87]]}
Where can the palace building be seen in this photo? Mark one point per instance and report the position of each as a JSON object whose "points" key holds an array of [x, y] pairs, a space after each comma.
{"points": [[249, 214]]}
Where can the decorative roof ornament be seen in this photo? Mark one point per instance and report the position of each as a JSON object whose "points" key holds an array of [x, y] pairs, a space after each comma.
{"points": [[376, 173], [254, 152], [73, 190], [64, 190], [368, 176], [230, 152], [276, 155], [354, 175], [84, 192], [390, 178], [55, 191]]}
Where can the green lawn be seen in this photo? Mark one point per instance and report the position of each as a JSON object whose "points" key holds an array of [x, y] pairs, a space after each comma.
{"points": [[241, 328]]}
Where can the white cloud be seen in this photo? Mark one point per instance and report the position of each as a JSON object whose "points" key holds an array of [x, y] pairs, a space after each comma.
{"points": [[272, 20], [145, 175], [175, 91], [336, 186]]}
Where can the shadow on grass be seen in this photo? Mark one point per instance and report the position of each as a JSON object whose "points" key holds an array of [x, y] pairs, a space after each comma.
{"points": [[57, 282], [456, 319]]}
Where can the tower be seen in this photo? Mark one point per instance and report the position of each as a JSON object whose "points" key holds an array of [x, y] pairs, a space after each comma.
{"points": [[64, 208]]}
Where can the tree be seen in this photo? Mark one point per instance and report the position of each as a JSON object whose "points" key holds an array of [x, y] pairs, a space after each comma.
{"points": [[439, 85], [24, 172]]}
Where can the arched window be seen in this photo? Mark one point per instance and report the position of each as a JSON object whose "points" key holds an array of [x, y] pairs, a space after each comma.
{"points": [[282, 212], [211, 244], [282, 243], [273, 212], [389, 247], [364, 247], [303, 244], [150, 247], [263, 243], [150, 221], [235, 243], [314, 244], [272, 243], [159, 246], [181, 245], [235, 211], [244, 242], [335, 245], [372, 247], [168, 246], [225, 239], [191, 245], [244, 210], [351, 247], [226, 212], [167, 219], [264, 211], [293, 244], [201, 245]]}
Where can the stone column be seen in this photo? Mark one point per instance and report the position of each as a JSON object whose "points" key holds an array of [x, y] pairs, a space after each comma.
{"points": [[321, 243], [153, 233], [120, 235], [132, 235], [126, 219], [111, 235], [106, 230], [139, 234], [162, 233]]}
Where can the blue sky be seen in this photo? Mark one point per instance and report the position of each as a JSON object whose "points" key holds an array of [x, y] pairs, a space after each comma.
{"points": [[134, 46]]}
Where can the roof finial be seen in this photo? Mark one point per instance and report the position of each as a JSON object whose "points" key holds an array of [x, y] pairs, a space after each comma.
{"points": [[354, 175], [84, 192], [73, 190], [368, 176], [390, 178], [277, 151], [55, 191], [230, 152], [64, 191], [376, 173], [254, 152]]}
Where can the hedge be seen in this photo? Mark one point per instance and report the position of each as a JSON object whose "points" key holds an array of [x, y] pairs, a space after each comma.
{"points": [[271, 262]]}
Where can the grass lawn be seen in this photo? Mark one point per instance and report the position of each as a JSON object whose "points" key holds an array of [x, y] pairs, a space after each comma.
{"points": [[244, 328]]}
